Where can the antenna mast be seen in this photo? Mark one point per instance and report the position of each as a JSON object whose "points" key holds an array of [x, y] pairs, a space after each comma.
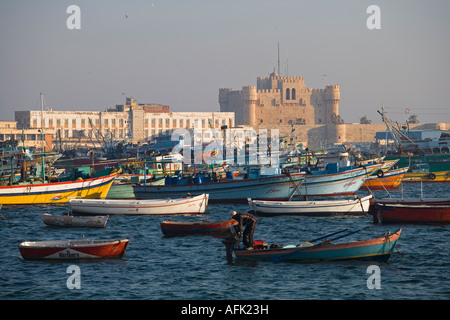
{"points": [[278, 58]]}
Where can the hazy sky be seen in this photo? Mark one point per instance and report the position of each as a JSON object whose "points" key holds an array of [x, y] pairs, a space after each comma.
{"points": [[180, 52]]}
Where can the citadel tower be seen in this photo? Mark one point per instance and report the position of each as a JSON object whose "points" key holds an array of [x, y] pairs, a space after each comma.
{"points": [[278, 100]]}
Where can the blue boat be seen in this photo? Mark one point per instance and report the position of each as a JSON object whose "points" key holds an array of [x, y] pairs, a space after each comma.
{"points": [[345, 181], [373, 249], [225, 190]]}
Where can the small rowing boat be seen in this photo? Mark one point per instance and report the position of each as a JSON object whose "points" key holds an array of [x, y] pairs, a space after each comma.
{"points": [[186, 205], [75, 221], [373, 249], [73, 249], [317, 208], [215, 229]]}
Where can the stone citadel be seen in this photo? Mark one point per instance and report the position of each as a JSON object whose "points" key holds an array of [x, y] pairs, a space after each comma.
{"points": [[285, 103]]}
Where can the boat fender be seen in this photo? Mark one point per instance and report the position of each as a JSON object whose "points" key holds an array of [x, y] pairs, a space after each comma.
{"points": [[305, 244], [380, 173], [432, 176]]}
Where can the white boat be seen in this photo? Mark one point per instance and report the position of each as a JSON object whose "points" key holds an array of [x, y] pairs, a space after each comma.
{"points": [[75, 221], [356, 206], [187, 205]]}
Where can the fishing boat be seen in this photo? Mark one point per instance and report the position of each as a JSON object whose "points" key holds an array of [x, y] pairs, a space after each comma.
{"points": [[168, 206], [414, 201], [389, 180], [75, 221], [318, 208], [417, 210], [124, 190], [331, 181], [374, 249], [417, 148], [73, 249], [226, 190], [334, 181], [426, 176], [216, 229], [56, 192]]}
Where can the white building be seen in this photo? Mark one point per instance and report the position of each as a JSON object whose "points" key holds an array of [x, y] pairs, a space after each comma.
{"points": [[131, 122]]}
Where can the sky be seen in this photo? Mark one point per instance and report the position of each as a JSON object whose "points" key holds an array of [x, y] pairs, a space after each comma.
{"points": [[180, 52]]}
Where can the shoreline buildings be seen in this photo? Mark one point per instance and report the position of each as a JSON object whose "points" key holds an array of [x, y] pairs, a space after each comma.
{"points": [[131, 122], [276, 102]]}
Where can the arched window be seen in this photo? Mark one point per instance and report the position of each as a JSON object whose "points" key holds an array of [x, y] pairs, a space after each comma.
{"points": [[293, 94], [288, 96]]}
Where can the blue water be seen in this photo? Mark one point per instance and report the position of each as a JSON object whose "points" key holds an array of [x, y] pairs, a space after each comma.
{"points": [[196, 268]]}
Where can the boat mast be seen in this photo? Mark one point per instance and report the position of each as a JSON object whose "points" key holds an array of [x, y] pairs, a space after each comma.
{"points": [[42, 122], [42, 137]]}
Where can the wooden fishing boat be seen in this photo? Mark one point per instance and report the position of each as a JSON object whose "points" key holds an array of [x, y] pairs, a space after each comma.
{"points": [[73, 249], [373, 249], [414, 201], [335, 182], [357, 206], [419, 210], [215, 229], [125, 190], [438, 176], [389, 180], [185, 205], [273, 187], [56, 192], [229, 190], [75, 221]]}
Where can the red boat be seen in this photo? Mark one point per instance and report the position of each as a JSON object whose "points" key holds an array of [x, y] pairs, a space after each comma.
{"points": [[73, 249], [411, 210], [215, 229]]}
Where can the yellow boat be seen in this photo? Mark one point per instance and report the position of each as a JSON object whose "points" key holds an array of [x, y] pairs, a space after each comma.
{"points": [[56, 192], [440, 176]]}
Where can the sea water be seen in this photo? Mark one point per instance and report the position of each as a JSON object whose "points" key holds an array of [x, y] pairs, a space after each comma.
{"points": [[195, 267]]}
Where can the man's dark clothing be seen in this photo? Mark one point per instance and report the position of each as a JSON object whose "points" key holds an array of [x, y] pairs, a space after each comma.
{"points": [[249, 221]]}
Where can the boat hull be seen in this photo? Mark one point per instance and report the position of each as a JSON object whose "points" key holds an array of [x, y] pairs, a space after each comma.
{"points": [[374, 249], [390, 180], [346, 182], [233, 190], [215, 229], [438, 176], [73, 249], [125, 190], [279, 187], [58, 192], [187, 205], [358, 206], [75, 221], [411, 213]]}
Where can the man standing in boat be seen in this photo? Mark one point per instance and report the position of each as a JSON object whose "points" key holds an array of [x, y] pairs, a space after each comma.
{"points": [[249, 221]]}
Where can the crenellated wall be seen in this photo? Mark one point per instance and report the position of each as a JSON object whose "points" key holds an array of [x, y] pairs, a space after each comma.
{"points": [[278, 100]]}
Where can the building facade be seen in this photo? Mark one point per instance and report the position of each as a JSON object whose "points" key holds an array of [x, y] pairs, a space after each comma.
{"points": [[31, 138], [131, 122]]}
